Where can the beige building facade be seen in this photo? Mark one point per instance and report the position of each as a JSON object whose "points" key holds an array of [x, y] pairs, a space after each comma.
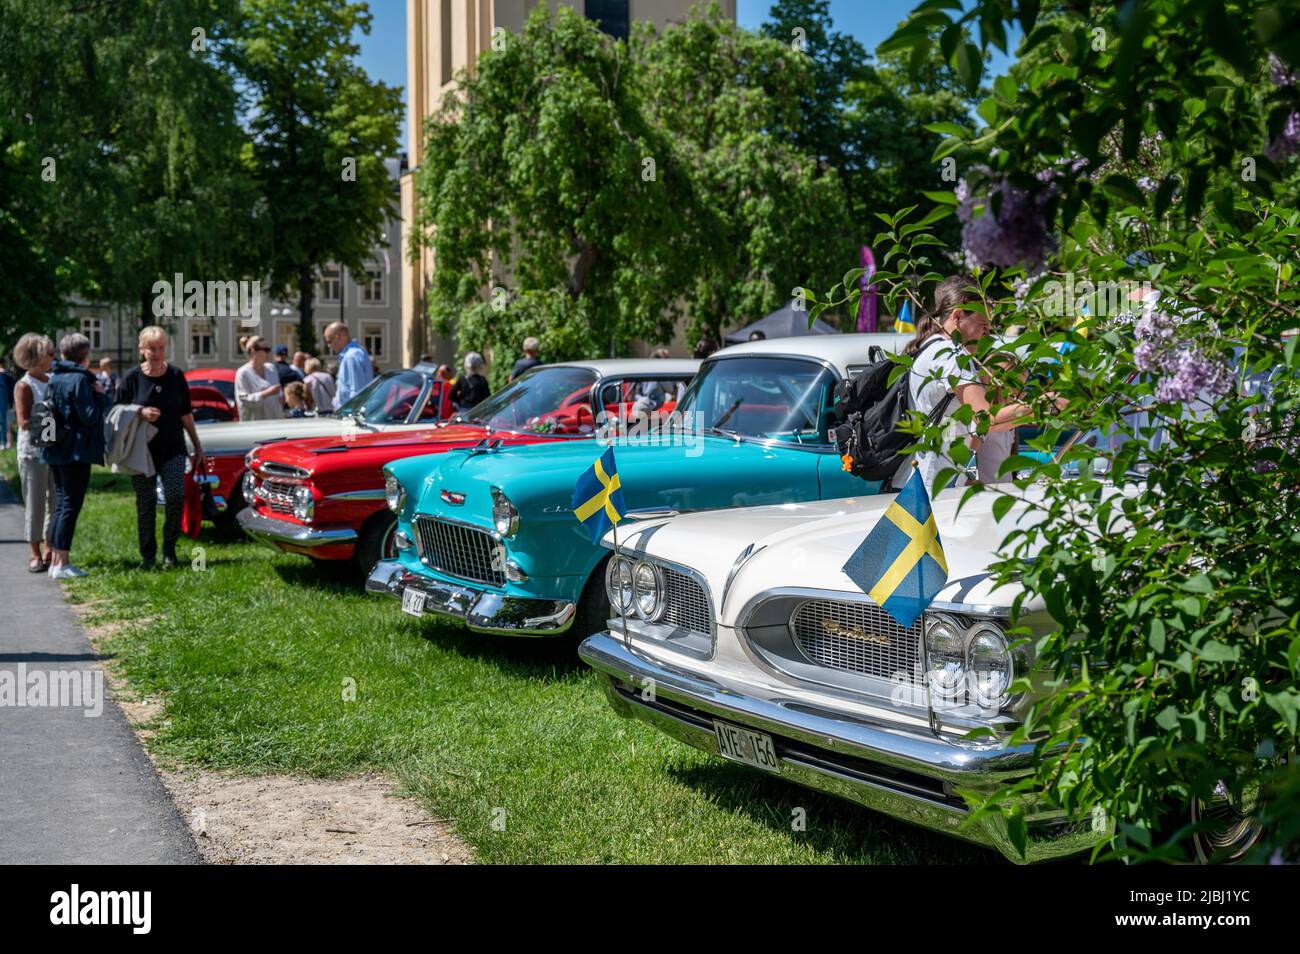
{"points": [[443, 37]]}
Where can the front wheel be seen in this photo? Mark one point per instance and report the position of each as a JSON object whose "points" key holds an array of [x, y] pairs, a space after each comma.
{"points": [[593, 605], [375, 542], [1226, 824]]}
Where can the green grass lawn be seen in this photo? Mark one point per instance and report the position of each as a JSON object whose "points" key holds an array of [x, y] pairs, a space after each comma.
{"points": [[252, 654]]}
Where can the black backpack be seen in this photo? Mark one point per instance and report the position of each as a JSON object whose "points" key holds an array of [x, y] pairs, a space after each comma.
{"points": [[871, 409], [44, 427]]}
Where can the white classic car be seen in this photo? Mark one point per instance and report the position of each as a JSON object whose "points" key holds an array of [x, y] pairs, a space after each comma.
{"points": [[741, 635]]}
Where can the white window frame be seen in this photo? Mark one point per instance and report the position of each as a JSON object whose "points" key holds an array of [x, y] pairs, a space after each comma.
{"points": [[92, 326], [330, 276], [367, 327], [364, 287], [193, 327]]}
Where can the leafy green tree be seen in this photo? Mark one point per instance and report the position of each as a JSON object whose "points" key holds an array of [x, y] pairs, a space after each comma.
{"points": [[1162, 549], [321, 130], [125, 138], [591, 192]]}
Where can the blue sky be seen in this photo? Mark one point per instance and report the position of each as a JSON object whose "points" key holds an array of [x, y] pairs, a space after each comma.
{"points": [[383, 52]]}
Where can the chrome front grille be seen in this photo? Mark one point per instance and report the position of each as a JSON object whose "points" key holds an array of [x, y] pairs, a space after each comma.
{"points": [[686, 605], [462, 551], [278, 495], [857, 637]]}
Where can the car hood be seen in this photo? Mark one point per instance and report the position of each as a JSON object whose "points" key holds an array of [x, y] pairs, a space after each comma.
{"points": [[317, 453], [240, 436], [805, 545]]}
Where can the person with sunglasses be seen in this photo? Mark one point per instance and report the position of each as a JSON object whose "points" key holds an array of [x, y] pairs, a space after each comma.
{"points": [[257, 385]]}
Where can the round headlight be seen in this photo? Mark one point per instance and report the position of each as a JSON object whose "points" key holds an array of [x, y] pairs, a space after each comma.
{"points": [[991, 670], [394, 494], [943, 657], [618, 584], [504, 515], [249, 486], [304, 504], [648, 591]]}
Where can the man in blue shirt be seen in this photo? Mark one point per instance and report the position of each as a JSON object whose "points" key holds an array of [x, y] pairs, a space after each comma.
{"points": [[355, 369]]}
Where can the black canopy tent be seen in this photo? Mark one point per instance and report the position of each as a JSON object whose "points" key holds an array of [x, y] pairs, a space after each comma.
{"points": [[785, 322]]}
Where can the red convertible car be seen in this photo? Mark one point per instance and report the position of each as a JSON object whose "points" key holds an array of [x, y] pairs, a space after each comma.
{"points": [[324, 497]]}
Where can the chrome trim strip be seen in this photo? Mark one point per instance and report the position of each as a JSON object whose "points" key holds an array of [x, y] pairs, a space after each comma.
{"points": [[358, 495]]}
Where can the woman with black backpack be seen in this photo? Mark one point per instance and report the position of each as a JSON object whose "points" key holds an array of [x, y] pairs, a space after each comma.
{"points": [[77, 403], [940, 374]]}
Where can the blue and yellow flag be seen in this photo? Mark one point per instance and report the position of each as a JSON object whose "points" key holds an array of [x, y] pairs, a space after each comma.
{"points": [[900, 564], [903, 323], [598, 497]]}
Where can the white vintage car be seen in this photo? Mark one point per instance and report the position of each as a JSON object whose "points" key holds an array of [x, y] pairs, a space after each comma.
{"points": [[745, 638]]}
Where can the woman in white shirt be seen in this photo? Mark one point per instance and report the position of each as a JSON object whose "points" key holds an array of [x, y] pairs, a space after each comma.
{"points": [[257, 384], [940, 375]]}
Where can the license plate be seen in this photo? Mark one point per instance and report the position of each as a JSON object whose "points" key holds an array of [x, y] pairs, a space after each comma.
{"points": [[413, 601], [746, 746]]}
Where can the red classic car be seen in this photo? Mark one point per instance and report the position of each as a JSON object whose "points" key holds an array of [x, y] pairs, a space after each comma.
{"points": [[396, 400], [324, 497], [209, 406]]}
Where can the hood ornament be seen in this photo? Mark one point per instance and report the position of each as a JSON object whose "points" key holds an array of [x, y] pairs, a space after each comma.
{"points": [[487, 445]]}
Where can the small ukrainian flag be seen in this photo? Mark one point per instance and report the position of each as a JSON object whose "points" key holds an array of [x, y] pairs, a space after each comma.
{"points": [[900, 564], [598, 497]]}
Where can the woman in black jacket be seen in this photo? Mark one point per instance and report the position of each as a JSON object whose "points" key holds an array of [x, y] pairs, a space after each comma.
{"points": [[473, 386], [78, 402]]}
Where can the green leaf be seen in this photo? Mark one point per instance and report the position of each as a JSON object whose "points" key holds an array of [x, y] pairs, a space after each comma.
{"points": [[969, 65], [1124, 189], [1200, 583], [947, 129], [943, 198], [1215, 651], [1003, 504], [1168, 718], [1156, 638]]}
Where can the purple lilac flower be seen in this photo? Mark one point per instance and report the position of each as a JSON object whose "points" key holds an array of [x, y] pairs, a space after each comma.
{"points": [[1183, 372], [1281, 75], [1287, 142], [1016, 235]]}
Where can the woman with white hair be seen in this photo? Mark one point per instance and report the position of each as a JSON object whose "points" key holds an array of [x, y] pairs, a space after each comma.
{"points": [[164, 396], [472, 386], [34, 354]]}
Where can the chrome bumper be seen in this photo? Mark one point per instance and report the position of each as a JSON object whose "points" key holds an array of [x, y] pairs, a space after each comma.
{"points": [[482, 610], [275, 532], [913, 776]]}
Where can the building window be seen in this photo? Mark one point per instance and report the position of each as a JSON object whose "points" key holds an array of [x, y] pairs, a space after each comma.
{"points": [[331, 286], [611, 15], [93, 328], [372, 289], [286, 333], [372, 339], [445, 30], [202, 341]]}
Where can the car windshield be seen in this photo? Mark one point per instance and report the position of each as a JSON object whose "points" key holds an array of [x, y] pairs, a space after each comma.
{"points": [[547, 400], [768, 397], [387, 399]]}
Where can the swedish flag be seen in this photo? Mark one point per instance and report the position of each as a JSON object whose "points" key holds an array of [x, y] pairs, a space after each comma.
{"points": [[598, 497], [900, 564]]}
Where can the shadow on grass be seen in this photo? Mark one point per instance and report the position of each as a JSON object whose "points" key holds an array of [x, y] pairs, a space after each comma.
{"points": [[329, 576], [836, 827], [544, 657]]}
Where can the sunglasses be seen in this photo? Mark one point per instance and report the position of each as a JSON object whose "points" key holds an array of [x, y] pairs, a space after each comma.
{"points": [[261, 348]]}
